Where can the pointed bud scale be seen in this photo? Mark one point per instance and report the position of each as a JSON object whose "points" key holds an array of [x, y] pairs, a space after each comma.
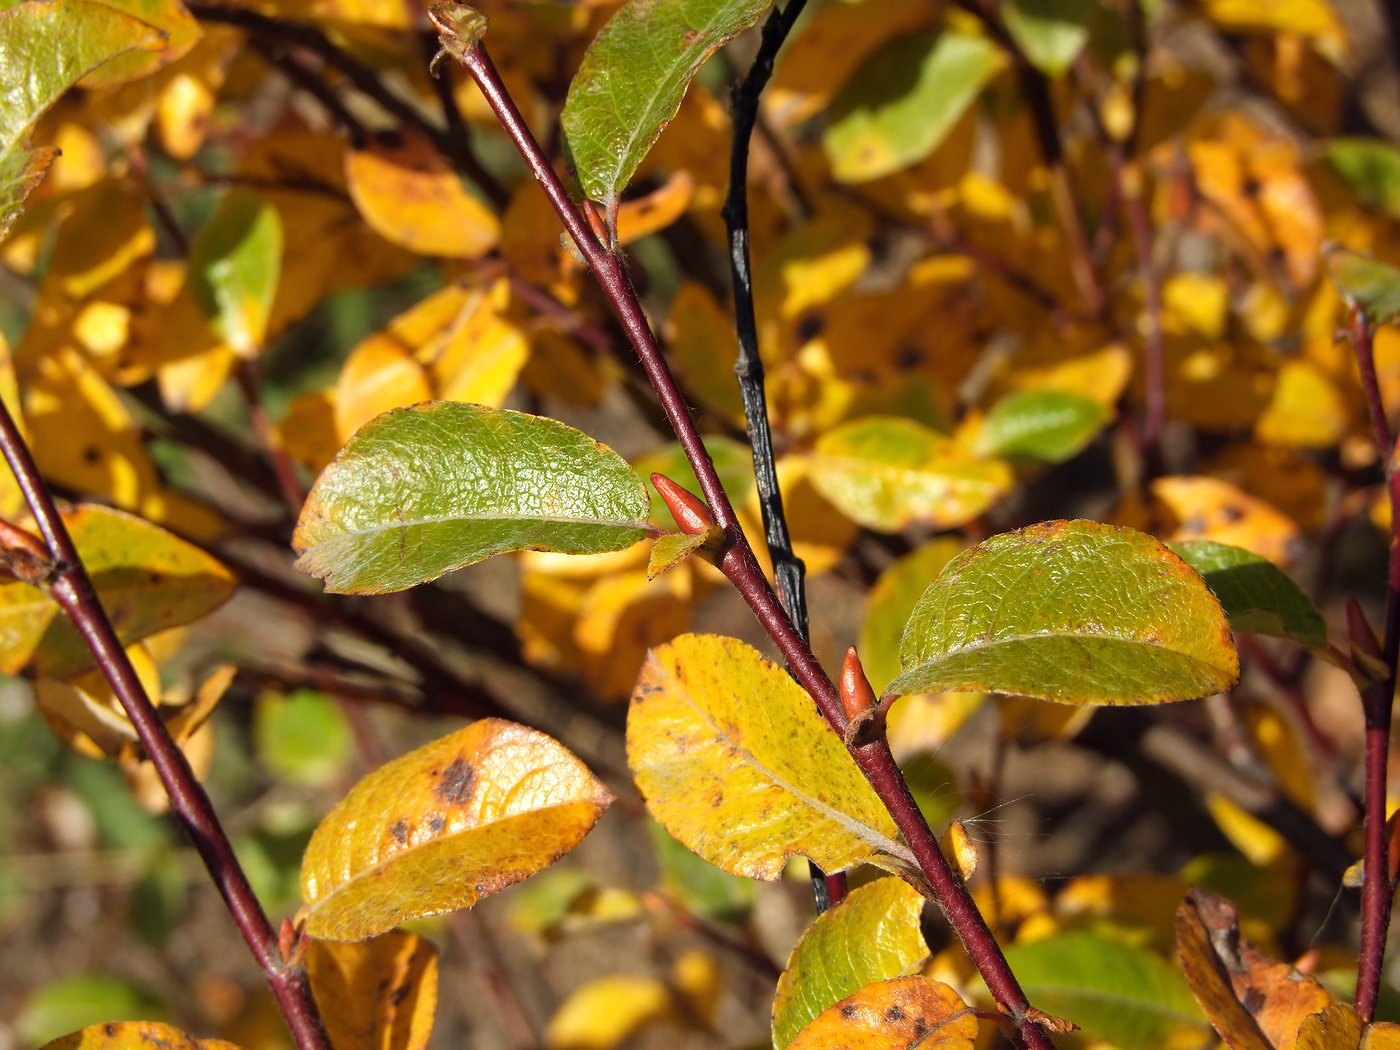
{"points": [[691, 514], [856, 695]]}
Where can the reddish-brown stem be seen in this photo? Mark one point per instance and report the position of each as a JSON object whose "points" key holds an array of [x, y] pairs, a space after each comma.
{"points": [[70, 586], [246, 373], [1376, 700], [739, 565]]}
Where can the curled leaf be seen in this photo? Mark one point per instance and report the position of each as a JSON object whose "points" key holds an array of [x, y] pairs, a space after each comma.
{"points": [[380, 994]]}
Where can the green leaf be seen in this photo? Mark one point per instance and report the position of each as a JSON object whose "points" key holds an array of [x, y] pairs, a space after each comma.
{"points": [[1053, 425], [891, 603], [441, 827], [1372, 168], [48, 46], [700, 886], [1372, 285], [235, 262], [148, 580], [669, 551], [733, 463], [70, 1003], [1050, 32], [302, 738], [904, 99], [1125, 996], [886, 473], [1256, 594], [872, 935], [734, 760], [1073, 611], [633, 78], [423, 490], [20, 173]]}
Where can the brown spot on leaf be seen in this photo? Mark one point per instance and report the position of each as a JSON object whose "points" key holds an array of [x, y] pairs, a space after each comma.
{"points": [[399, 829], [455, 782]]}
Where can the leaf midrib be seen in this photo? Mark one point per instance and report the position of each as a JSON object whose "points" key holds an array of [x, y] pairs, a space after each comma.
{"points": [[444, 519], [1013, 639]]}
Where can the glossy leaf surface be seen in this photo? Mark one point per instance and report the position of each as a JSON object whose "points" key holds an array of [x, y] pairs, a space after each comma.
{"points": [[134, 1035], [872, 935], [424, 490], [148, 580], [1256, 594], [1052, 425], [886, 473], [734, 760], [380, 994], [633, 78], [49, 46], [235, 263], [1073, 611], [904, 99], [1128, 997], [443, 826], [912, 1013]]}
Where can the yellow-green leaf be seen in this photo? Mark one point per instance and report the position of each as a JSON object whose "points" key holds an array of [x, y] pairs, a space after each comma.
{"points": [[147, 579], [134, 1035], [669, 551], [891, 602], [235, 263], [872, 935], [886, 472], [380, 994], [20, 173], [912, 1013], [734, 760], [441, 827], [1073, 611]]}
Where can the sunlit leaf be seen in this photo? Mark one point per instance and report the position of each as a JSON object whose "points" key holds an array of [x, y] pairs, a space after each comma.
{"points": [[912, 1013], [1372, 168], [872, 935], [1073, 611], [1043, 424], [1129, 997], [171, 18], [1052, 33], [380, 994], [669, 551], [441, 827], [633, 78], [377, 377], [886, 473], [1211, 509], [148, 580], [135, 1035], [408, 195], [735, 761], [1256, 594], [48, 46], [891, 602], [1254, 1002], [602, 1013], [235, 263], [1370, 284], [20, 173], [1307, 409], [904, 99], [1335, 1027], [643, 216], [80, 1001], [424, 490]]}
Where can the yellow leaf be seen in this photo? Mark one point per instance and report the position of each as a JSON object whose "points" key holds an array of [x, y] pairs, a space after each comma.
{"points": [[670, 550], [701, 337], [380, 994], [735, 762], [1100, 376], [957, 842], [1210, 509], [1306, 410], [921, 722], [619, 619], [1195, 302], [104, 234], [134, 1035], [188, 89], [549, 606], [820, 532], [1250, 835], [1312, 19], [377, 376], [408, 195], [188, 385], [87, 715], [909, 1013], [602, 1013], [441, 827], [308, 431], [483, 352], [697, 981], [1335, 1027], [658, 209]]}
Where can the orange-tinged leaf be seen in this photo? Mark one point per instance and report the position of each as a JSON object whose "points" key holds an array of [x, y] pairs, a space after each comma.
{"points": [[911, 1013], [1384, 1035], [601, 1013], [445, 825], [1334, 1027], [1254, 1002], [408, 195], [734, 760], [134, 1035], [657, 210], [701, 337], [621, 617], [380, 994], [308, 431], [377, 376], [148, 580], [1210, 509]]}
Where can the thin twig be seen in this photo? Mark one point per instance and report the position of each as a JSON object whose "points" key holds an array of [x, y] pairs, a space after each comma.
{"points": [[70, 586], [288, 485], [1376, 700], [739, 565], [276, 52]]}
